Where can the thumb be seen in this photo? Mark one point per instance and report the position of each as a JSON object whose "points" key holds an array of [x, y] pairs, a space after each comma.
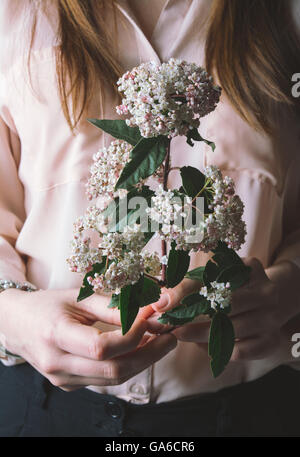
{"points": [[96, 308], [170, 298], [257, 268]]}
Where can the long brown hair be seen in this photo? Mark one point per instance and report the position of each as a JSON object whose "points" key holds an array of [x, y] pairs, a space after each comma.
{"points": [[251, 48]]}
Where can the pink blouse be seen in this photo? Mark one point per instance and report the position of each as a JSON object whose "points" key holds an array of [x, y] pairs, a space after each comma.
{"points": [[44, 168]]}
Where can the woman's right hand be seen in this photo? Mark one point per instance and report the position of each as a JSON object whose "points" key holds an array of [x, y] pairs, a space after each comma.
{"points": [[55, 334]]}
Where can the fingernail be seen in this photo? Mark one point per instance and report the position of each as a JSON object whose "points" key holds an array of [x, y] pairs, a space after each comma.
{"points": [[163, 303]]}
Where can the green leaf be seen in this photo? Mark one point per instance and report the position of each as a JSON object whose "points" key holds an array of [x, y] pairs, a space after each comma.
{"points": [[192, 180], [149, 293], [211, 272], [115, 301], [241, 278], [86, 289], [193, 134], [133, 297], [203, 305], [193, 305], [120, 219], [147, 156], [145, 291], [225, 257], [236, 275], [118, 129], [221, 342], [128, 308], [178, 264], [230, 266], [196, 274]]}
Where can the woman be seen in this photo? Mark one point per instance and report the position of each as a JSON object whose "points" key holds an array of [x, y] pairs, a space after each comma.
{"points": [[138, 386]]}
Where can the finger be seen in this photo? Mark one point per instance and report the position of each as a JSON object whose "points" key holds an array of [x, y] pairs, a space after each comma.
{"points": [[255, 348], [133, 363], [247, 297], [170, 298], [257, 269], [96, 307], [252, 323], [144, 340], [260, 294], [154, 326], [119, 369], [145, 312], [244, 300], [86, 341], [196, 333]]}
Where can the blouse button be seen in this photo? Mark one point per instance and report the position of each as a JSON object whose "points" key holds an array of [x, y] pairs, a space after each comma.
{"points": [[113, 410], [138, 389]]}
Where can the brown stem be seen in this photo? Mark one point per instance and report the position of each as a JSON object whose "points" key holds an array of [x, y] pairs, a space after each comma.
{"points": [[180, 96], [165, 186], [106, 264], [200, 192], [164, 267], [153, 278]]}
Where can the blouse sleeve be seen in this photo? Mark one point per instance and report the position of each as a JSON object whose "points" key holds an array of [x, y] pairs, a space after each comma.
{"points": [[289, 248], [272, 220], [12, 212]]}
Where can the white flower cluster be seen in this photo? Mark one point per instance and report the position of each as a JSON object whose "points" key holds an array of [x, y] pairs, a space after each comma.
{"points": [[83, 256], [167, 209], [167, 99], [126, 261], [219, 294], [225, 222], [113, 244], [152, 263], [127, 270], [106, 169]]}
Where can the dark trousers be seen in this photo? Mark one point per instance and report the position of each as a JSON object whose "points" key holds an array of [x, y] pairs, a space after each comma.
{"points": [[31, 406]]}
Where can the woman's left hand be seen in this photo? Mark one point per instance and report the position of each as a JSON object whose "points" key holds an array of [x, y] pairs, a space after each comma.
{"points": [[260, 310]]}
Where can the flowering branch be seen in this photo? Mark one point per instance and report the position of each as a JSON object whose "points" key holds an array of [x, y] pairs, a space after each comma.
{"points": [[165, 187], [160, 103]]}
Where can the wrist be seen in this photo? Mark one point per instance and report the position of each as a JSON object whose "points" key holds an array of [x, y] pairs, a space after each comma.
{"points": [[8, 299], [11, 300]]}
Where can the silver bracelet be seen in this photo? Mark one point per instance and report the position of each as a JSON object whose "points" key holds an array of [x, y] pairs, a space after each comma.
{"points": [[9, 284]]}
